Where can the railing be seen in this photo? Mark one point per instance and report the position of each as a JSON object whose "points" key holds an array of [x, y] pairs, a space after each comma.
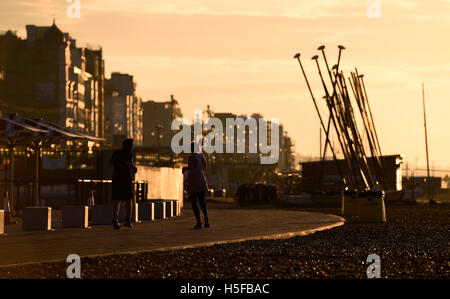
{"points": [[102, 190], [23, 194]]}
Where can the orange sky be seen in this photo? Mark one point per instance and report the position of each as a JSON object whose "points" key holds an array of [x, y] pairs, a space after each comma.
{"points": [[237, 57]]}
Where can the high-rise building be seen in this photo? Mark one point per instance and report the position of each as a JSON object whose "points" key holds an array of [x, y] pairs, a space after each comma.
{"points": [[158, 117], [47, 76], [123, 109]]}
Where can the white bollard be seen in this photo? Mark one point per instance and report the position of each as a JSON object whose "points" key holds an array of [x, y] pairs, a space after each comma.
{"points": [[134, 212], [75, 216]]}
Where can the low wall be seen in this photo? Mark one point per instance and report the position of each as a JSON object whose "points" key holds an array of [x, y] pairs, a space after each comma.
{"points": [[163, 182]]}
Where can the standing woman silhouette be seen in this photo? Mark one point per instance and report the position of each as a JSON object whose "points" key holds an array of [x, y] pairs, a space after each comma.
{"points": [[196, 184]]}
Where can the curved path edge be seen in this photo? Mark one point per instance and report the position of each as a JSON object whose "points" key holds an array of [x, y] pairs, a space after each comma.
{"points": [[276, 236]]}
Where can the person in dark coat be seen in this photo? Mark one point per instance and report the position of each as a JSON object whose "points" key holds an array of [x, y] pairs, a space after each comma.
{"points": [[122, 181], [196, 184]]}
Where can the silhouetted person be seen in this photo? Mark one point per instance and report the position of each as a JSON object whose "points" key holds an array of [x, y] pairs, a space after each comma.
{"points": [[122, 181], [196, 185]]}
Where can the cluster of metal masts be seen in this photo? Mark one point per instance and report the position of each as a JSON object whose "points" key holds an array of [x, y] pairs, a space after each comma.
{"points": [[358, 173]]}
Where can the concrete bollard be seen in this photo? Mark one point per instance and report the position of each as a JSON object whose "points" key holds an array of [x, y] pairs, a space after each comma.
{"points": [[371, 207], [37, 218], [178, 208], [160, 209], [169, 208], [349, 203], [75, 216], [175, 207], [146, 211], [2, 222]]}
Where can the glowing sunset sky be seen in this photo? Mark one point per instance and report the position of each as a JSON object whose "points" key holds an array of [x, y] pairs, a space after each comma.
{"points": [[237, 57]]}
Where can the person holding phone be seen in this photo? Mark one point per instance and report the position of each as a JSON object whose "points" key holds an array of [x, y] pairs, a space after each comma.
{"points": [[196, 184]]}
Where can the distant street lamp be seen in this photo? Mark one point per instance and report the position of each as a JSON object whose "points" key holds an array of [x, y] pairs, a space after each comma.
{"points": [[158, 137]]}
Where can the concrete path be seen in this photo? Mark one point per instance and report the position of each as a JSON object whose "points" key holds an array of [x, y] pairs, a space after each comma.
{"points": [[229, 223]]}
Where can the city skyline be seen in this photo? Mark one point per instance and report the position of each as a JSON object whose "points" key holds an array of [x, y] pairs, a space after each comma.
{"points": [[241, 60]]}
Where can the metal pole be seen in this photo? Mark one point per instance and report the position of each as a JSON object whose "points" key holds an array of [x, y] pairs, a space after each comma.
{"points": [[370, 129], [11, 157], [339, 57], [320, 141], [371, 116], [68, 176], [297, 56], [36, 186], [330, 107], [350, 123], [333, 82], [322, 157], [425, 125], [426, 142], [359, 100]]}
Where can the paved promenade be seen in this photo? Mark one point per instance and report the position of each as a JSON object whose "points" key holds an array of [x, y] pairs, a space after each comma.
{"points": [[229, 223]]}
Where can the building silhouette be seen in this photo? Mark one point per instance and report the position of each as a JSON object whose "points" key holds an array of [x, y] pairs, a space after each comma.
{"points": [[157, 118], [46, 75], [123, 111], [328, 178]]}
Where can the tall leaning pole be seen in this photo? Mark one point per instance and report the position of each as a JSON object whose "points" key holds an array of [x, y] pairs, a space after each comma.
{"points": [[427, 186]]}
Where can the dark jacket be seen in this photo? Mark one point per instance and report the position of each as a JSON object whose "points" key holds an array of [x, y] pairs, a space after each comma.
{"points": [[196, 180], [123, 175]]}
